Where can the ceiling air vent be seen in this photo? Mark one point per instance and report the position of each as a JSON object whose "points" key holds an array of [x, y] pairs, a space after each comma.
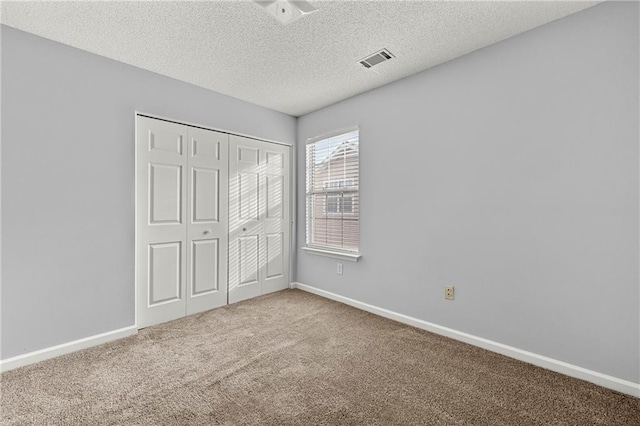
{"points": [[376, 58]]}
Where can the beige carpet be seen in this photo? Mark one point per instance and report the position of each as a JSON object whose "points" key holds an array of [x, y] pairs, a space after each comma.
{"points": [[292, 358]]}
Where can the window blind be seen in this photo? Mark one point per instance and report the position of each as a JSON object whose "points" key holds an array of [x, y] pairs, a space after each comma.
{"points": [[333, 207]]}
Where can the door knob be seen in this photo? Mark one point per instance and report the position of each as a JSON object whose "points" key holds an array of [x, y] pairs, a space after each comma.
{"points": [[206, 231]]}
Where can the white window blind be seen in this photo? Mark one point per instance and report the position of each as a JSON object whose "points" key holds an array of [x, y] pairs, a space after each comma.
{"points": [[332, 193]]}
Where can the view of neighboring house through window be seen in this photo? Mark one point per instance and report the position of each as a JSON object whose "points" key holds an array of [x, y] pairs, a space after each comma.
{"points": [[332, 192]]}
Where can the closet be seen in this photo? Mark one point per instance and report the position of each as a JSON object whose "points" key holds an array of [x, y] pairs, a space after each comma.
{"points": [[212, 219]]}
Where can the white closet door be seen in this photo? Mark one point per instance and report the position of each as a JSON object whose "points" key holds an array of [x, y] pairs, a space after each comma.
{"points": [[258, 218], [161, 220], [276, 218], [182, 227], [207, 220]]}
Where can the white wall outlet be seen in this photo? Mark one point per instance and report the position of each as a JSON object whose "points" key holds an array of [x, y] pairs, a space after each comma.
{"points": [[339, 270], [448, 292]]}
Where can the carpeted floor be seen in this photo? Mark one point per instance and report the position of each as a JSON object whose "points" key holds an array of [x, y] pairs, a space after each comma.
{"points": [[292, 358]]}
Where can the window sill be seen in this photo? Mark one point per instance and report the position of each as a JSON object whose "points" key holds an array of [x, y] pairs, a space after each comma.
{"points": [[352, 257]]}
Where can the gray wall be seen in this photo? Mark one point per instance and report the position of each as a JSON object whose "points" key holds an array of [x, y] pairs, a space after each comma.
{"points": [[511, 173], [68, 183]]}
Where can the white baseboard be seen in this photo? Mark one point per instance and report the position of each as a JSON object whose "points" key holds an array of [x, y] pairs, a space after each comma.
{"points": [[65, 348], [600, 379]]}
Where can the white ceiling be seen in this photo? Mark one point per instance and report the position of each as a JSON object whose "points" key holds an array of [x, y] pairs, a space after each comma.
{"points": [[236, 48]]}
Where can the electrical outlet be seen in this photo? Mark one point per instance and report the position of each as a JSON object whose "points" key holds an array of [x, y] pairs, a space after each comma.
{"points": [[448, 292], [339, 270]]}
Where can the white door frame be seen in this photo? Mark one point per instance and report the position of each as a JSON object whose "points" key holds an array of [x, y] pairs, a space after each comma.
{"points": [[293, 196]]}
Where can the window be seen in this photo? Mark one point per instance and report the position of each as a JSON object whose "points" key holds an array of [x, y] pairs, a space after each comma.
{"points": [[337, 204], [332, 193]]}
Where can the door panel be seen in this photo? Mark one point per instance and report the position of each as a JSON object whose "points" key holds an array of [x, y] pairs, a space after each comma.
{"points": [[248, 154], [207, 212], [275, 267], [248, 259], [204, 200], [275, 160], [258, 218], [248, 196], [165, 275], [163, 138], [205, 263], [207, 147], [274, 194], [161, 228], [165, 193]]}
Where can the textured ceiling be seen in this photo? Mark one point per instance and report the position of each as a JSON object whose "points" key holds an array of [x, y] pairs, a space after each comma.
{"points": [[236, 48]]}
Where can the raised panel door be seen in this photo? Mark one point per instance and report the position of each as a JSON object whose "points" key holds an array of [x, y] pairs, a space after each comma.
{"points": [[161, 224], [207, 225]]}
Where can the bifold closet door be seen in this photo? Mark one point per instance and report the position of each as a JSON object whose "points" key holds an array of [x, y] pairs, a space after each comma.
{"points": [[181, 220], [207, 227], [161, 225], [259, 224]]}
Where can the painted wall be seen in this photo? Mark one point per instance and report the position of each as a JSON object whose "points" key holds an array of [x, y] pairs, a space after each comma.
{"points": [[68, 183], [512, 174]]}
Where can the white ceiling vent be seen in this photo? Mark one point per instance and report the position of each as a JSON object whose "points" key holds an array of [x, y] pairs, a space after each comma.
{"points": [[376, 58]]}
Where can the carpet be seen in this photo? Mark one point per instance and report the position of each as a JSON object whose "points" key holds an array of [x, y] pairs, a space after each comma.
{"points": [[293, 358]]}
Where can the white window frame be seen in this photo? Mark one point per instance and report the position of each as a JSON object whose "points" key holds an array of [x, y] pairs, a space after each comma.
{"points": [[351, 255]]}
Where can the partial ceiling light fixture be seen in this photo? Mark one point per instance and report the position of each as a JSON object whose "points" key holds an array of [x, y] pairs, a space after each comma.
{"points": [[287, 11]]}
